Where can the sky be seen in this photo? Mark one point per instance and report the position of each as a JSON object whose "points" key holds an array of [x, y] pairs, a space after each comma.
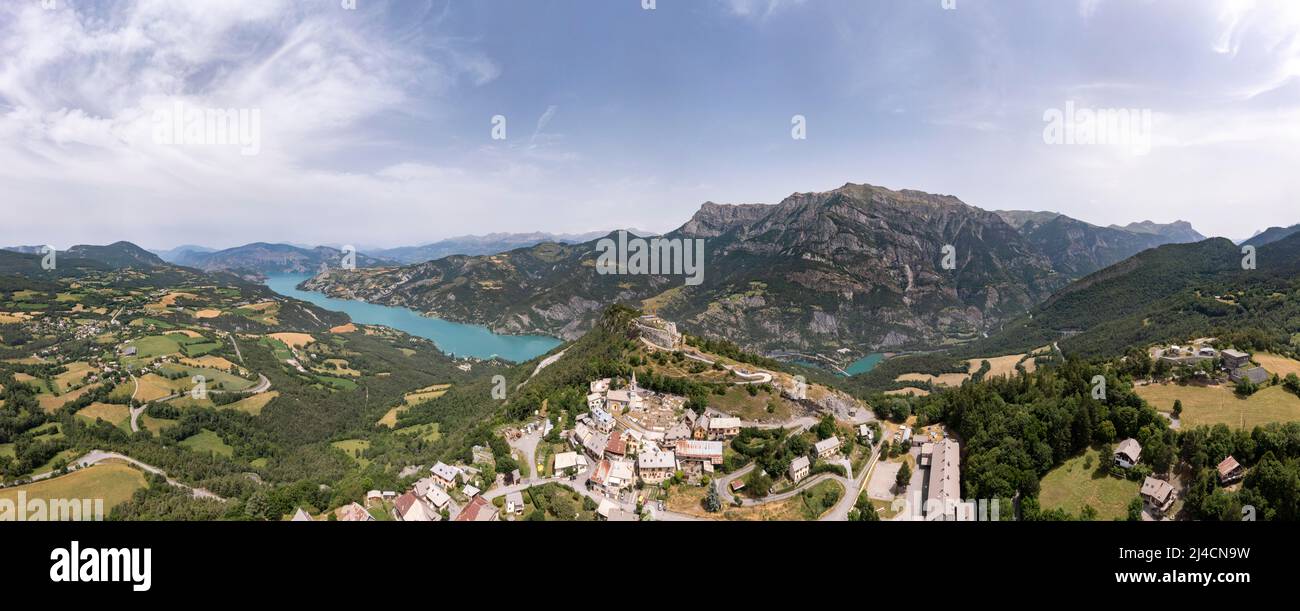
{"points": [[398, 123]]}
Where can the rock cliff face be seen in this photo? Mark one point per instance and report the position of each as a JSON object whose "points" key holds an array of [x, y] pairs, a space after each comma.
{"points": [[859, 266], [1077, 248]]}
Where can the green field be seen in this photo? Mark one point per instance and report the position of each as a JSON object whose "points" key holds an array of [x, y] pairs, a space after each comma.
{"points": [[1210, 405], [278, 348], [1074, 484], [338, 383], [112, 482], [151, 346], [216, 379], [207, 441], [354, 448], [428, 432]]}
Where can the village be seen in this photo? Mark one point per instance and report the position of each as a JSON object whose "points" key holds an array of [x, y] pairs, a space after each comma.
{"points": [[632, 446]]}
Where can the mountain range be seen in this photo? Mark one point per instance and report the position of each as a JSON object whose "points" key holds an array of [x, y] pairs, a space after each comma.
{"points": [[256, 261], [858, 266]]}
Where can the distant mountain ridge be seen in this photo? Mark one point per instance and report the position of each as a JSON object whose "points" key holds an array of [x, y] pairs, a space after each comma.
{"points": [[1078, 248], [255, 261], [173, 255], [858, 265], [489, 244], [1270, 235]]}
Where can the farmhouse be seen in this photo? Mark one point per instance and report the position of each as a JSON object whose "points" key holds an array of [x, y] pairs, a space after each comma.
{"points": [[828, 447], [696, 456], [478, 510], [437, 497], [656, 466], [409, 508], [444, 474], [1158, 493], [614, 475], [515, 503], [1234, 359], [799, 468], [722, 428], [1128, 453], [353, 512], [1256, 375], [603, 420], [564, 461], [616, 447], [1230, 471]]}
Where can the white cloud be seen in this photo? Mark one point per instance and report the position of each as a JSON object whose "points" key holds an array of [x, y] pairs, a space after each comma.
{"points": [[758, 9]]}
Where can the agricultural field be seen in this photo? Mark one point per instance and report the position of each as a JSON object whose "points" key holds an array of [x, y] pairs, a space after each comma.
{"points": [[943, 379], [428, 432], [153, 387], [1210, 405], [1280, 365], [50, 402], [354, 448], [427, 393], [73, 377], [1078, 482], [111, 481], [295, 340], [254, 404], [909, 390], [206, 441], [115, 414]]}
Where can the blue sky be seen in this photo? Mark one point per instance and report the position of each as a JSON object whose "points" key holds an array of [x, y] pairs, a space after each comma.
{"points": [[375, 123]]}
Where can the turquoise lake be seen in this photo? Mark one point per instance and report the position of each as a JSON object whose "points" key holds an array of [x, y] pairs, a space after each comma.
{"points": [[865, 364], [451, 337], [862, 365]]}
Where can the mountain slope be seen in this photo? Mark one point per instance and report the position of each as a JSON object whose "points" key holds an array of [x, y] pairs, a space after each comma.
{"points": [[117, 255], [471, 245], [1270, 235], [174, 255], [1077, 248], [1171, 293], [859, 265], [1177, 231]]}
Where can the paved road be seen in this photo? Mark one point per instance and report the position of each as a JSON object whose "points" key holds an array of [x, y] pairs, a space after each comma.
{"points": [[852, 490], [230, 336]]}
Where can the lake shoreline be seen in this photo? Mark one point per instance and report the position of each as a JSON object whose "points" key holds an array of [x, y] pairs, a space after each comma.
{"points": [[453, 338]]}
